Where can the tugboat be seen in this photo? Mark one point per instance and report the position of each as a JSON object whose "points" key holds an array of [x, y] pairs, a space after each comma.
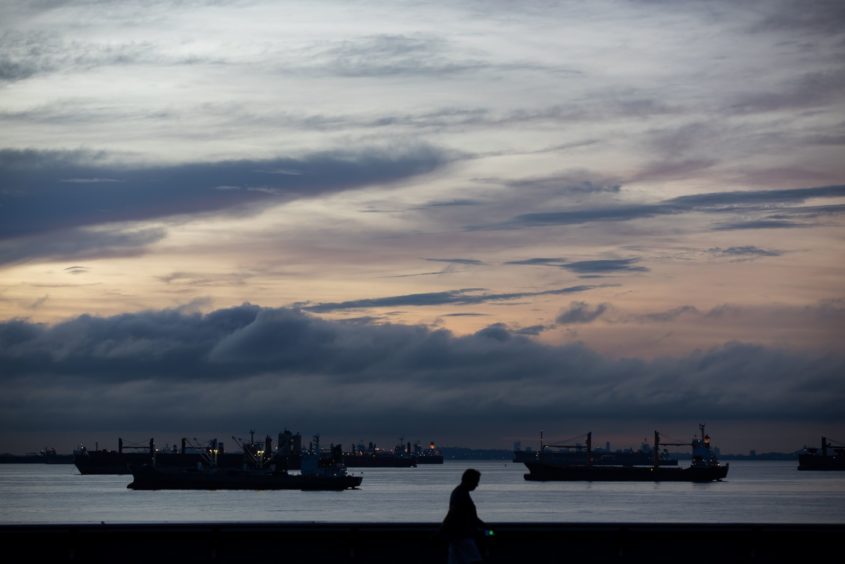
{"points": [[317, 473], [822, 459], [703, 468]]}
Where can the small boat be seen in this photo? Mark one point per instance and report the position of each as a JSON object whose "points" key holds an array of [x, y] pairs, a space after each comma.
{"points": [[829, 457], [703, 468], [317, 473]]}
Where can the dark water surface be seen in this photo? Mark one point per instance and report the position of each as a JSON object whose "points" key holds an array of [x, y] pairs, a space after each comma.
{"points": [[754, 492]]}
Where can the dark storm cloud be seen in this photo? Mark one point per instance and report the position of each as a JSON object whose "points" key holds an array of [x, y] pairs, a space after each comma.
{"points": [[463, 296], [45, 191], [249, 365], [748, 201], [581, 312]]}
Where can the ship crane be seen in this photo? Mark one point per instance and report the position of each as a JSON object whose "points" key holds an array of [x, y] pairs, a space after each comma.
{"points": [[576, 446], [207, 453], [827, 443], [696, 444], [257, 461]]}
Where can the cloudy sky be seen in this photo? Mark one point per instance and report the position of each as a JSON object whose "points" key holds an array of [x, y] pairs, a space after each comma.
{"points": [[463, 221]]}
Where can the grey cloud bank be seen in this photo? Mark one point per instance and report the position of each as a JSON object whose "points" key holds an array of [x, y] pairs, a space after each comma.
{"points": [[164, 369]]}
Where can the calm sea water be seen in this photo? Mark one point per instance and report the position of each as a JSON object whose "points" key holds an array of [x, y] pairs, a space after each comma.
{"points": [[755, 492]]}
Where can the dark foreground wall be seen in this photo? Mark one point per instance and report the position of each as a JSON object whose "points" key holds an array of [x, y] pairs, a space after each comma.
{"points": [[343, 543]]}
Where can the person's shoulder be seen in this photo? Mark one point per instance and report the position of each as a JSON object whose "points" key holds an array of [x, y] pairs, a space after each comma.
{"points": [[459, 492]]}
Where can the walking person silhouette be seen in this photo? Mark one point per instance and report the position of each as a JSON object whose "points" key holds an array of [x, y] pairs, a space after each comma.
{"points": [[461, 524]]}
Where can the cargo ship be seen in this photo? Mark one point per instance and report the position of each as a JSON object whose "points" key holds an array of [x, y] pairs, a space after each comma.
{"points": [[104, 461], [578, 454], [829, 457], [704, 466], [372, 456], [429, 455], [318, 473]]}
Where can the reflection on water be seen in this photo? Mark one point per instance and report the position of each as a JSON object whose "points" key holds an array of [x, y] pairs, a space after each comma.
{"points": [[755, 492]]}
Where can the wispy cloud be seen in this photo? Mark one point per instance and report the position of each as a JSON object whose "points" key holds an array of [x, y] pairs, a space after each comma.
{"points": [[581, 312], [745, 251], [466, 296], [710, 202], [601, 266], [460, 261]]}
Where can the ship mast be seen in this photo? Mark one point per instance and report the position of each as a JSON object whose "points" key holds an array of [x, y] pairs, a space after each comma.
{"points": [[656, 449]]}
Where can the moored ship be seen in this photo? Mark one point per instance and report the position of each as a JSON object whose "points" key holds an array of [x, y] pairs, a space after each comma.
{"points": [[830, 457], [428, 455], [373, 457], [104, 461], [704, 466], [317, 473], [577, 453]]}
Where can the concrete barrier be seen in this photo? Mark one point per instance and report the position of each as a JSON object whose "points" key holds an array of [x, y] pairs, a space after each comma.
{"points": [[376, 543]]}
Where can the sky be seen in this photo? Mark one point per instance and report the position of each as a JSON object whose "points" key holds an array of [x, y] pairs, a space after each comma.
{"points": [[462, 221]]}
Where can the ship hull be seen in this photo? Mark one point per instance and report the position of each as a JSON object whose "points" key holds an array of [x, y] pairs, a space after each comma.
{"points": [[817, 462], [367, 461], [599, 459], [430, 459], [109, 462], [539, 471], [153, 479]]}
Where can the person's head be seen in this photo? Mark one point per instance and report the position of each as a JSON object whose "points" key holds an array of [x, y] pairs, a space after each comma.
{"points": [[470, 478]]}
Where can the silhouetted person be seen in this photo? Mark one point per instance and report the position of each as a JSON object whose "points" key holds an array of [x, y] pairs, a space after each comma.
{"points": [[462, 525]]}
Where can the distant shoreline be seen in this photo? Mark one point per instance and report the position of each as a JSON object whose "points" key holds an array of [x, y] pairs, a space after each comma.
{"points": [[449, 453]]}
